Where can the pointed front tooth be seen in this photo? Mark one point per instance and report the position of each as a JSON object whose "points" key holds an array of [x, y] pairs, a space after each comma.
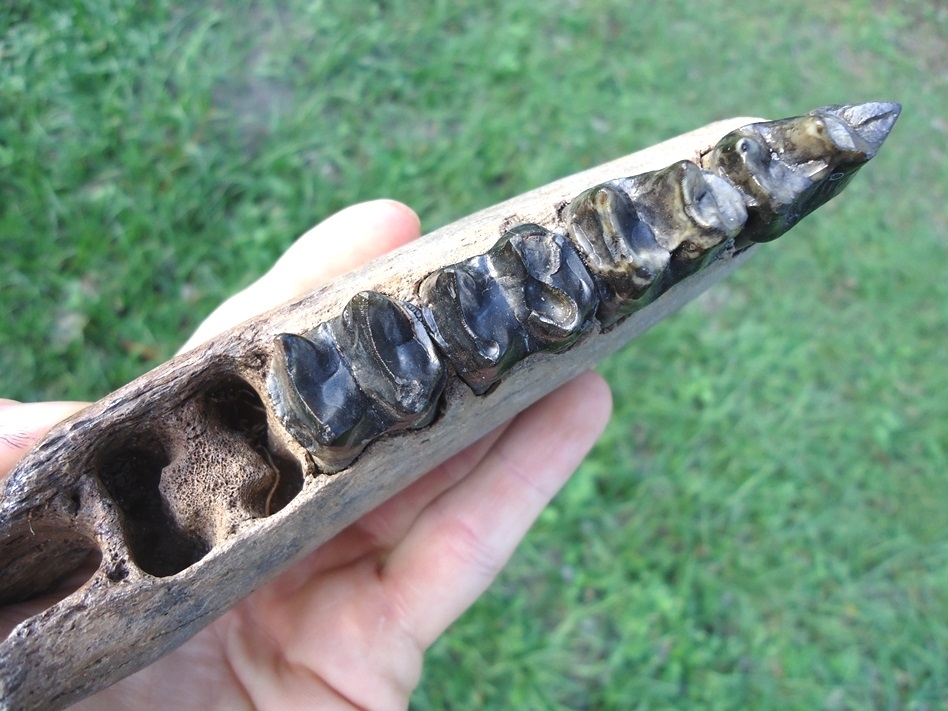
{"points": [[872, 121]]}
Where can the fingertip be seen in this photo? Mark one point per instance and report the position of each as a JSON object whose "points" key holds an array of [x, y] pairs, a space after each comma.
{"points": [[340, 243], [35, 416], [408, 220], [391, 215], [597, 395]]}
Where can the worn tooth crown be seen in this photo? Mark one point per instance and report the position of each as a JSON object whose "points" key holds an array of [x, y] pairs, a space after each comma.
{"points": [[529, 293], [392, 356], [557, 300], [371, 371], [315, 395], [618, 248], [788, 168], [684, 209], [459, 304]]}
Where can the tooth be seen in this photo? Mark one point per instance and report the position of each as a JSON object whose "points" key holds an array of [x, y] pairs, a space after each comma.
{"points": [[371, 371], [619, 249], [788, 168], [529, 293]]}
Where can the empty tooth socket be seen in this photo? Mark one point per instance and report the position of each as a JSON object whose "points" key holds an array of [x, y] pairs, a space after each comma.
{"points": [[131, 473], [170, 518]]}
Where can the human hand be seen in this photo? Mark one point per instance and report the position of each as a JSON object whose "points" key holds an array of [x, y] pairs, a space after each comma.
{"points": [[348, 625]]}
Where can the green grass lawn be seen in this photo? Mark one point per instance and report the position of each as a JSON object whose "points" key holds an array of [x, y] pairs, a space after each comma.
{"points": [[764, 524]]}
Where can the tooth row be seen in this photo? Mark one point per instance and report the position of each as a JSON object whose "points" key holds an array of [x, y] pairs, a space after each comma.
{"points": [[382, 365]]}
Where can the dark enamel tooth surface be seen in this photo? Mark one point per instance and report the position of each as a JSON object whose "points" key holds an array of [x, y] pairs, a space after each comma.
{"points": [[466, 311], [788, 168], [529, 293], [691, 211], [316, 397], [557, 301], [371, 371], [392, 357], [618, 247]]}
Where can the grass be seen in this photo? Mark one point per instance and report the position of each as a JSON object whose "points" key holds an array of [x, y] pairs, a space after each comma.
{"points": [[762, 526]]}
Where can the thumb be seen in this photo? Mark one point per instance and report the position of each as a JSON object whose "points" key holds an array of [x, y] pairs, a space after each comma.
{"points": [[22, 424]]}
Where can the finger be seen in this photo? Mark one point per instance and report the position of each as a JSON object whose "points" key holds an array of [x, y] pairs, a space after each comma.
{"points": [[23, 424], [333, 247], [464, 538]]}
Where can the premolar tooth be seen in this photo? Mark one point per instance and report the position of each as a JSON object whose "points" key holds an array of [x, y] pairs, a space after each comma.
{"points": [[788, 168]]}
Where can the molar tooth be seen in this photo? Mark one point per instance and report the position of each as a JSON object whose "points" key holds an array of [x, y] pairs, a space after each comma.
{"points": [[392, 357], [682, 206], [529, 293], [371, 371], [466, 313], [316, 397], [656, 227], [557, 300], [618, 247]]}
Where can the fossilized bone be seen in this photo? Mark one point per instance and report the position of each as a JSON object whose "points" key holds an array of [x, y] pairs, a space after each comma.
{"points": [[200, 480]]}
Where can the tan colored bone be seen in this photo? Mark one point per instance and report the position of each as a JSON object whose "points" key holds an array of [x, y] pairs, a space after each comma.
{"points": [[234, 522]]}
